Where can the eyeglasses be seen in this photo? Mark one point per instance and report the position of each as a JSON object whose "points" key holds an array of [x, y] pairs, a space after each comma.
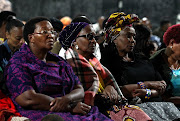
{"points": [[45, 32], [89, 36]]}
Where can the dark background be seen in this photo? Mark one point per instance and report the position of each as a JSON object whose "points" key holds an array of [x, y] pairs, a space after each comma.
{"points": [[155, 10]]}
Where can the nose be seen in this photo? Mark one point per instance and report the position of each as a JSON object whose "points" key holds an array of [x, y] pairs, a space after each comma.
{"points": [[93, 40], [132, 40], [51, 35]]}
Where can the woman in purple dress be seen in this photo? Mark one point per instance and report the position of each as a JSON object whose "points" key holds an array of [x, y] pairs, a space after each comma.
{"points": [[42, 83]]}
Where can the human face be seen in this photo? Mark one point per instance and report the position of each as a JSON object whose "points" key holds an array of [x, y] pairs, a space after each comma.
{"points": [[43, 37], [125, 41], [86, 41], [176, 51], [15, 38]]}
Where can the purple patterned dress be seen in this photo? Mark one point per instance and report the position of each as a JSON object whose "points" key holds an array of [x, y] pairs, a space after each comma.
{"points": [[25, 72]]}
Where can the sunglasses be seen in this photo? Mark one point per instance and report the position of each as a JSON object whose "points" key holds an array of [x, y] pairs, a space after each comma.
{"points": [[89, 36]]}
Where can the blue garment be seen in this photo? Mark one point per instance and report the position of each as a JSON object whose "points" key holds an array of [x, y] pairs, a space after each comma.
{"points": [[175, 80], [5, 54]]}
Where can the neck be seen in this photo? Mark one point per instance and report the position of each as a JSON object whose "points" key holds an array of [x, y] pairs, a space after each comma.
{"points": [[85, 55], [126, 58], [12, 48], [122, 54], [40, 54], [173, 63]]}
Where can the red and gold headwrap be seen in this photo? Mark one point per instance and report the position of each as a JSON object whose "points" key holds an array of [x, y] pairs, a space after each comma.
{"points": [[116, 22]]}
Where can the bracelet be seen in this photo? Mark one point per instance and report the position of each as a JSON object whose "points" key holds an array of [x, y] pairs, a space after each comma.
{"points": [[148, 93], [142, 85]]}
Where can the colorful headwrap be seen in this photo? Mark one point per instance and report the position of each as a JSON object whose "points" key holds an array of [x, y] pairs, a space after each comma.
{"points": [[116, 22], [69, 34]]}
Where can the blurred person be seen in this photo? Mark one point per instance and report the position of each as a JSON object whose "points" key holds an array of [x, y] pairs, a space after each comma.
{"points": [[14, 35], [145, 21], [153, 47], [4, 15], [142, 36], [57, 25], [164, 25], [127, 66], [5, 5], [42, 83], [66, 20], [98, 27]]}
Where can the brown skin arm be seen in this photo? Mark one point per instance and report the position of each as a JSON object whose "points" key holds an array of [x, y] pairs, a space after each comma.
{"points": [[175, 100], [32, 100], [142, 93], [131, 89], [62, 103], [37, 101], [168, 97]]}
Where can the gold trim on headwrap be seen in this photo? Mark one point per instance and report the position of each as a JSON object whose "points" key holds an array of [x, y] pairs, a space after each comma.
{"points": [[116, 22]]}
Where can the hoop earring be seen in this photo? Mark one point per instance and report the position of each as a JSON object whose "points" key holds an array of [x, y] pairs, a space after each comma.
{"points": [[76, 46]]}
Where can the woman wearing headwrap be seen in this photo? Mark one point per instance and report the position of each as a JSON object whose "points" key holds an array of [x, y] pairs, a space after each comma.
{"points": [[79, 40], [133, 73], [41, 83]]}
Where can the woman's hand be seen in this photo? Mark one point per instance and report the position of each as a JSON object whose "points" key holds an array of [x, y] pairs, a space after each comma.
{"points": [[139, 93], [60, 104], [160, 86], [111, 93], [81, 108]]}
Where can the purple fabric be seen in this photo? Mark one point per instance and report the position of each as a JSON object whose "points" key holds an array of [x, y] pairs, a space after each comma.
{"points": [[70, 32], [25, 71]]}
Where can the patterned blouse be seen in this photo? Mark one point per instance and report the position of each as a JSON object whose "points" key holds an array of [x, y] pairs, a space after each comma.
{"points": [[25, 72]]}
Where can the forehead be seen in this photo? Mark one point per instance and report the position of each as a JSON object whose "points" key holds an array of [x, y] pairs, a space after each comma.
{"points": [[43, 24], [88, 29], [16, 30], [128, 29]]}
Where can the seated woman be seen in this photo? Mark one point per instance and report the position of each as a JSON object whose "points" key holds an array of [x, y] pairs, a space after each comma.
{"points": [[42, 83], [79, 40], [167, 62], [134, 73]]}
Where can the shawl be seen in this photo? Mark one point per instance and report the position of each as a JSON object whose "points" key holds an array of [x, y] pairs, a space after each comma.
{"points": [[86, 72]]}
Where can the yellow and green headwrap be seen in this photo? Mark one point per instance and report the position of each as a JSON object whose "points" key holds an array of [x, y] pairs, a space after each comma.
{"points": [[116, 22]]}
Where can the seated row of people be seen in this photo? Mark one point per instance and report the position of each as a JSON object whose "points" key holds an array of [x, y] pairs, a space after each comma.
{"points": [[41, 83]]}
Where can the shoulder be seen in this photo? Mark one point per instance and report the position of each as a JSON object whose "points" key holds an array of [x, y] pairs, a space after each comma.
{"points": [[157, 59], [157, 55], [2, 47]]}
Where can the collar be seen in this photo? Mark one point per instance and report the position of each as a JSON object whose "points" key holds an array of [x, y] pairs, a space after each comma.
{"points": [[7, 47]]}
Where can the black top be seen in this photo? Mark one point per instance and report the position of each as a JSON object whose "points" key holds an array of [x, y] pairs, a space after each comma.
{"points": [[140, 69], [159, 60], [4, 56]]}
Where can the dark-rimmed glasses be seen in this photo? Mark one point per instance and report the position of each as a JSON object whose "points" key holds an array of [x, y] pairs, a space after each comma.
{"points": [[45, 32], [89, 36]]}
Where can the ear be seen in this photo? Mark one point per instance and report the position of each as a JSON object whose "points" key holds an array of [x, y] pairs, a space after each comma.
{"points": [[115, 41], [171, 42], [30, 38], [7, 35]]}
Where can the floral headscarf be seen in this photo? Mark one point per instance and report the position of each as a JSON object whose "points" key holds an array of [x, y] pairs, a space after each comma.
{"points": [[116, 22]]}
